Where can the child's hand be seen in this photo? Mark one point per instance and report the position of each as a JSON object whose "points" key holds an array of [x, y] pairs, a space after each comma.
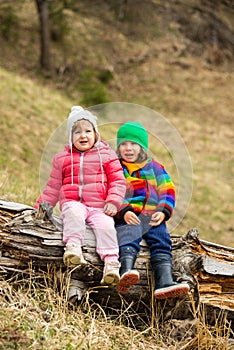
{"points": [[110, 209], [131, 219], [157, 218]]}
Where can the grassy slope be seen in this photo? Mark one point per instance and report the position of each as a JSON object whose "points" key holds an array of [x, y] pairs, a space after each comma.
{"points": [[29, 113]]}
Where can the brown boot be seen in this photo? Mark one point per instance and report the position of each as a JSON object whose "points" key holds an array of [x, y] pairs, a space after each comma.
{"points": [[110, 273], [73, 255]]}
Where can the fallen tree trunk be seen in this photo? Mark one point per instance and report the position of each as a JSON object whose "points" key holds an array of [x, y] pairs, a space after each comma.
{"points": [[33, 239]]}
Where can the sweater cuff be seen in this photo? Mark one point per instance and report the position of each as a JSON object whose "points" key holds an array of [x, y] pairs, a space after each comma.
{"points": [[165, 211], [124, 210]]}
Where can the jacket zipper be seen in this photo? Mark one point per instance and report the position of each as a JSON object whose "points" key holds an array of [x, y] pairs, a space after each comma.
{"points": [[81, 176]]}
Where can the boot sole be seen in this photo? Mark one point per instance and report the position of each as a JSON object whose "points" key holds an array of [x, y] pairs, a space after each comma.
{"points": [[73, 260], [110, 279], [177, 291], [127, 280]]}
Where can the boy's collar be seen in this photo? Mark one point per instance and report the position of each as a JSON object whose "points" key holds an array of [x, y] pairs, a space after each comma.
{"points": [[134, 166]]}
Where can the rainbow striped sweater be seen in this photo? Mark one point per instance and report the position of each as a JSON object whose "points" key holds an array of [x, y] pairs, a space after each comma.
{"points": [[149, 189]]}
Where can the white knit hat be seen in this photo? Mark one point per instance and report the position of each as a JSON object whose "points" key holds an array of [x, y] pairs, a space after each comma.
{"points": [[78, 113]]}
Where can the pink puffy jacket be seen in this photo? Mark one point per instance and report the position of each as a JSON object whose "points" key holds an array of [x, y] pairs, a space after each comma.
{"points": [[94, 178]]}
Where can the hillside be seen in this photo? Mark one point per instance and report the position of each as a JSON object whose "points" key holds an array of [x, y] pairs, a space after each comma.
{"points": [[176, 59]]}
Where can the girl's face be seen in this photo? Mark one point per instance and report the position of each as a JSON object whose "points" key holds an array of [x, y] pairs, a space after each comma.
{"points": [[129, 151], [83, 136]]}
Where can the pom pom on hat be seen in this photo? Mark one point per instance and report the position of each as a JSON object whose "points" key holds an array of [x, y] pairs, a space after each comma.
{"points": [[79, 113], [133, 131], [77, 109]]}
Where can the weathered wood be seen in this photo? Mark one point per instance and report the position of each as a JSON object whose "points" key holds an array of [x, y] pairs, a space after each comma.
{"points": [[34, 238]]}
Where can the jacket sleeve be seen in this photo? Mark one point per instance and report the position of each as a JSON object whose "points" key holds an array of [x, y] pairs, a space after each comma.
{"points": [[52, 190], [125, 207], [116, 180], [165, 191]]}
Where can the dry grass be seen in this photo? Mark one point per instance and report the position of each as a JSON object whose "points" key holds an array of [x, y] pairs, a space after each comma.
{"points": [[36, 315]]}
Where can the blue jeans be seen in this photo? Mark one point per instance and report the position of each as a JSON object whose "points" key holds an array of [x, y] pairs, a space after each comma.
{"points": [[157, 237]]}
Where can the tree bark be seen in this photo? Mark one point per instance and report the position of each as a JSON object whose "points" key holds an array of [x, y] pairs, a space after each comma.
{"points": [[42, 8], [31, 238]]}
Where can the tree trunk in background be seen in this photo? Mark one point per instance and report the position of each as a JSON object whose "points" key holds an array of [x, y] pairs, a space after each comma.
{"points": [[42, 8]]}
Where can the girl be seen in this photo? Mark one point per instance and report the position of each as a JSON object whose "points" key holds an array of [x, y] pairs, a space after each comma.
{"points": [[148, 204], [88, 180]]}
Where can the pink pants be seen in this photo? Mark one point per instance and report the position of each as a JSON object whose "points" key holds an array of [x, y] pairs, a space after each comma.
{"points": [[75, 215]]}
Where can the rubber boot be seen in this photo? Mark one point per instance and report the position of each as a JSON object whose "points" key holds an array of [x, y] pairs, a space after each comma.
{"points": [[128, 276], [164, 286]]}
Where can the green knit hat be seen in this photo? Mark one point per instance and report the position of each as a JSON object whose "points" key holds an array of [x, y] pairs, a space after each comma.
{"points": [[133, 131]]}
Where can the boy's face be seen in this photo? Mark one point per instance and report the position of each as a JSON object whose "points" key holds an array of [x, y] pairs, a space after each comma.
{"points": [[83, 136], [129, 151]]}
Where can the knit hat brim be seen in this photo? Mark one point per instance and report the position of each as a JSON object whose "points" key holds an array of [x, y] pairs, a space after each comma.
{"points": [[134, 132]]}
